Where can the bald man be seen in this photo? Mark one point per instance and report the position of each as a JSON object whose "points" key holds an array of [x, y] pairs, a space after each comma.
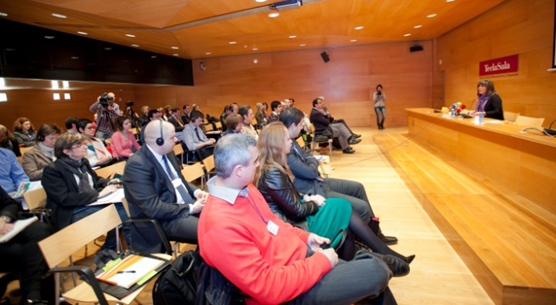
{"points": [[155, 188]]}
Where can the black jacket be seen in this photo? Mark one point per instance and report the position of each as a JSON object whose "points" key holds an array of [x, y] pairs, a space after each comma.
{"points": [[320, 121], [493, 107], [283, 198], [62, 191]]}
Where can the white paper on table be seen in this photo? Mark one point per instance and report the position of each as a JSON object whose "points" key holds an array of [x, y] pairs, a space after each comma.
{"points": [[111, 198], [19, 225]]}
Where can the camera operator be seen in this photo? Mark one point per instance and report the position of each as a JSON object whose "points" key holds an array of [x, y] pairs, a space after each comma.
{"points": [[107, 111]]}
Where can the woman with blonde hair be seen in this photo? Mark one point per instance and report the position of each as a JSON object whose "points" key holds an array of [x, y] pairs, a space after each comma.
{"points": [[24, 132], [8, 141], [313, 213]]}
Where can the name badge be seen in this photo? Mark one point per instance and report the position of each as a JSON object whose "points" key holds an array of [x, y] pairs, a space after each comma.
{"points": [[272, 227]]}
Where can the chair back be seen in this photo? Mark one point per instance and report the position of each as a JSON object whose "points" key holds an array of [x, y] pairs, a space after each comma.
{"points": [[530, 121], [209, 127], [510, 116], [300, 142], [35, 199], [209, 163], [110, 171], [194, 172], [23, 150], [218, 125], [70, 239], [178, 149]]}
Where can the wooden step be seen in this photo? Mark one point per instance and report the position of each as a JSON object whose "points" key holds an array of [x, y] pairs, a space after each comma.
{"points": [[508, 242]]}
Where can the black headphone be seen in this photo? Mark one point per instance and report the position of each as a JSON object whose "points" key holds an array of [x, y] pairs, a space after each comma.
{"points": [[160, 141], [40, 137]]}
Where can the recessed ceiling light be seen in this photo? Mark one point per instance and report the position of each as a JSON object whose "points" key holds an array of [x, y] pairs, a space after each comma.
{"points": [[108, 48], [293, 36], [232, 42], [260, 1], [302, 45], [255, 49], [208, 53], [135, 45], [450, 0], [359, 28], [75, 57], [408, 34], [82, 33], [175, 48], [153, 56], [431, 15], [59, 16], [353, 40], [3, 14], [418, 26], [49, 37], [130, 35], [273, 14], [176, 54]]}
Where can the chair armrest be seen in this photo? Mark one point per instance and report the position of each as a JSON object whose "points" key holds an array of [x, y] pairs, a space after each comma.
{"points": [[159, 231], [88, 276]]}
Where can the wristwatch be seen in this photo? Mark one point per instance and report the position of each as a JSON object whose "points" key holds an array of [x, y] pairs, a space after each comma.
{"points": [[7, 219]]}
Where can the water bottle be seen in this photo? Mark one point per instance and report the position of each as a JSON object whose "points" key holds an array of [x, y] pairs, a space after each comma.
{"points": [[481, 118]]}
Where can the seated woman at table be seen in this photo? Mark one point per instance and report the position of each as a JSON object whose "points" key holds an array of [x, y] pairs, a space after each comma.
{"points": [[325, 218], [489, 102], [97, 154], [123, 140], [71, 185], [24, 132], [37, 158]]}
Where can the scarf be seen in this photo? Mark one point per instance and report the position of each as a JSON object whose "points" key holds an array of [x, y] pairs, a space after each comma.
{"points": [[78, 168], [481, 104], [47, 151]]}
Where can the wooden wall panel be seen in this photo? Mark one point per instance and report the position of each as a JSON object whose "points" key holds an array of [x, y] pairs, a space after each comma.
{"points": [[40, 108], [346, 82], [513, 27]]}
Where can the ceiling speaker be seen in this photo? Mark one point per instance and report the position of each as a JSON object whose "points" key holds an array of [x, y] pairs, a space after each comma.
{"points": [[325, 57], [415, 48]]}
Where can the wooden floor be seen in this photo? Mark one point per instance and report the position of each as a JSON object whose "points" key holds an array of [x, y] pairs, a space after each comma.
{"points": [[438, 275]]}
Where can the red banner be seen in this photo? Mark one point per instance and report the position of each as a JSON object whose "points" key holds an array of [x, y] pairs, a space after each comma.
{"points": [[501, 65]]}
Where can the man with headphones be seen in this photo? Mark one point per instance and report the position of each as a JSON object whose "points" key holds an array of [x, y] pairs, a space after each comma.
{"points": [[155, 188]]}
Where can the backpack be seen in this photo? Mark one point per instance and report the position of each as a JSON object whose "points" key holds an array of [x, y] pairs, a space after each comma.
{"points": [[178, 284]]}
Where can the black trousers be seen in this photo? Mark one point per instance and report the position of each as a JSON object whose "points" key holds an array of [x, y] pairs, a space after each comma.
{"points": [[22, 254]]}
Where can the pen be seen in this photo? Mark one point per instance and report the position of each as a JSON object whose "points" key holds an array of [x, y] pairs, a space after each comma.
{"points": [[131, 271]]}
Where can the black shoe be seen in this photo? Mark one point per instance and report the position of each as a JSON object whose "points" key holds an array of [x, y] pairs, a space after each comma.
{"points": [[356, 136], [354, 141], [397, 265], [409, 259], [388, 240], [348, 151]]}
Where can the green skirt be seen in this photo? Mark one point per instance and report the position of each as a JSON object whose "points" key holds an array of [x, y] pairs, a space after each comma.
{"points": [[331, 220]]}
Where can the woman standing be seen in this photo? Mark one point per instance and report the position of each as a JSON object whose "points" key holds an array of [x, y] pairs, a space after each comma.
{"points": [[24, 132], [37, 158], [324, 217], [123, 140], [380, 109], [71, 185], [8, 141], [97, 154]]}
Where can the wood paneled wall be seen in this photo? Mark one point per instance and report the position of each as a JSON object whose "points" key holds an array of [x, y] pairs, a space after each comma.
{"points": [[346, 82], [40, 107], [513, 27]]}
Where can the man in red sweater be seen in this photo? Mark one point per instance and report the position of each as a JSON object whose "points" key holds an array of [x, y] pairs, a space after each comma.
{"points": [[268, 259]]}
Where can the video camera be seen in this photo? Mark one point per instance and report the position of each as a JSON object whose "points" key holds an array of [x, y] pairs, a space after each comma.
{"points": [[129, 103], [104, 99]]}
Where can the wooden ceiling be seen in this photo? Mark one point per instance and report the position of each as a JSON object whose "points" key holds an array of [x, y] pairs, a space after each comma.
{"points": [[196, 29]]}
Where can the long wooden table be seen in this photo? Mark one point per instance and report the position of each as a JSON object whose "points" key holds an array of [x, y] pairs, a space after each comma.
{"points": [[524, 162]]}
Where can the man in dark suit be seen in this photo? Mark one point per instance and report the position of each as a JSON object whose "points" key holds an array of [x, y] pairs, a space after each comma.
{"points": [[175, 119], [186, 116], [322, 124], [304, 167], [155, 188]]}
